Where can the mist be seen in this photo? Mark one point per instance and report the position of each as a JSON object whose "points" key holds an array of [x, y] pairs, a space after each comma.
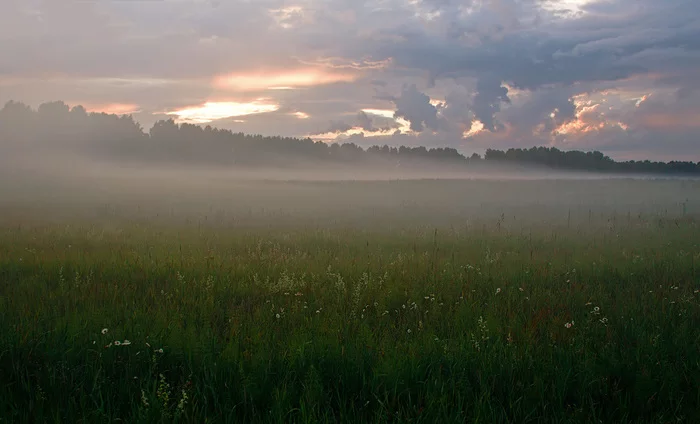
{"points": [[61, 164]]}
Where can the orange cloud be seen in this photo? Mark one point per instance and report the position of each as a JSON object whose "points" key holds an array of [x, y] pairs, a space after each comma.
{"points": [[282, 79], [212, 111], [476, 128], [113, 108]]}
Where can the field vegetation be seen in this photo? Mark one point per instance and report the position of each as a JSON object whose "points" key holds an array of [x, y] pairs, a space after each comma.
{"points": [[386, 301]]}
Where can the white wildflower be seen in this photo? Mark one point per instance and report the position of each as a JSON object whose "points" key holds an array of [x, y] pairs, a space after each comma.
{"points": [[104, 331]]}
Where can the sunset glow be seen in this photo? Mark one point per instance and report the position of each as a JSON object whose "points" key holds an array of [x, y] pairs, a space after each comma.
{"points": [[476, 128], [212, 111], [282, 79], [112, 108]]}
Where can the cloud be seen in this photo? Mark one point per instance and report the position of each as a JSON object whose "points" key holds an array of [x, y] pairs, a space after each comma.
{"points": [[212, 111], [466, 74], [415, 107], [282, 79], [364, 121]]}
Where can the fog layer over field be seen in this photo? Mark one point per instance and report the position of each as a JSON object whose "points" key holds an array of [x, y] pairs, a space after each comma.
{"points": [[69, 186]]}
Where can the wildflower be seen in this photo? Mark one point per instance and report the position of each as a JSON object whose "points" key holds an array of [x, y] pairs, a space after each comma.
{"points": [[126, 343], [144, 400], [498, 290], [318, 311], [521, 289], [278, 316], [181, 404], [104, 331], [568, 325], [596, 309], [408, 331], [159, 350], [117, 343]]}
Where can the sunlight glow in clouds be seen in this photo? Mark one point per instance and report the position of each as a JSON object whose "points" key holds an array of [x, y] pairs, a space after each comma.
{"points": [[476, 128], [212, 111], [285, 17], [112, 108], [566, 8], [404, 127], [282, 79]]}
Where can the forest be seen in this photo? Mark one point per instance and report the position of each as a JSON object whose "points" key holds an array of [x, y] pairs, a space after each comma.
{"points": [[58, 127]]}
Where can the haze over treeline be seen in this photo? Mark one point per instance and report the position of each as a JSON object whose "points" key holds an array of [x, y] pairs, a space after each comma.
{"points": [[56, 128]]}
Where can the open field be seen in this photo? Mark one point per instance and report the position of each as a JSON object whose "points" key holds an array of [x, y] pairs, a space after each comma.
{"points": [[393, 301]]}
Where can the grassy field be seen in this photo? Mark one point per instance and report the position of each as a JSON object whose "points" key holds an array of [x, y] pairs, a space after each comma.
{"points": [[413, 301]]}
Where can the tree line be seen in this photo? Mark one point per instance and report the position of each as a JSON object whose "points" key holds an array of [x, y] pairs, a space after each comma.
{"points": [[57, 126]]}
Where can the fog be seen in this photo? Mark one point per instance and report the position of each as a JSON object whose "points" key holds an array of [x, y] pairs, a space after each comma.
{"points": [[64, 165], [71, 188]]}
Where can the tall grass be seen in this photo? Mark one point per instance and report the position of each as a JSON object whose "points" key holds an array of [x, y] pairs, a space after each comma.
{"points": [[590, 319]]}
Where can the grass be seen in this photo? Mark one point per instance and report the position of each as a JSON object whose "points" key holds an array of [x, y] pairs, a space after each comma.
{"points": [[568, 317]]}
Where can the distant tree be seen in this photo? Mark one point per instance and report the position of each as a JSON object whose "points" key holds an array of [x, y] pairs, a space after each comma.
{"points": [[55, 125]]}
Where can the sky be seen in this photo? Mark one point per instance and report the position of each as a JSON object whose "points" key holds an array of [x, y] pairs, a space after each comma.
{"points": [[619, 76]]}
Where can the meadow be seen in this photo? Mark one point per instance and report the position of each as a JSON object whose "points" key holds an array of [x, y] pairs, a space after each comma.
{"points": [[388, 301]]}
